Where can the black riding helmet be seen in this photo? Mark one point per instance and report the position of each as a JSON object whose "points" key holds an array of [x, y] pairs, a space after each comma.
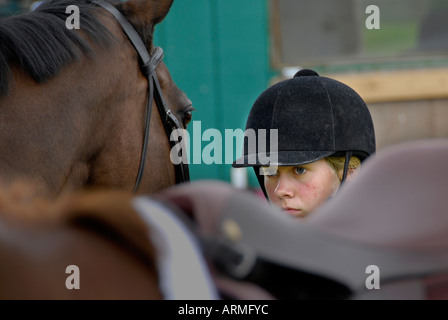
{"points": [[315, 116]]}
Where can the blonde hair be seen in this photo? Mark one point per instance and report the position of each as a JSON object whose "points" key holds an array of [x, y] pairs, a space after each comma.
{"points": [[337, 163]]}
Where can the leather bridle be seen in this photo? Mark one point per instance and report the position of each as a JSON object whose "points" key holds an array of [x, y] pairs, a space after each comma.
{"points": [[148, 66]]}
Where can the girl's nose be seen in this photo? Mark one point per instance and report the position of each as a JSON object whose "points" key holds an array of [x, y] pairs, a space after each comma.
{"points": [[284, 188]]}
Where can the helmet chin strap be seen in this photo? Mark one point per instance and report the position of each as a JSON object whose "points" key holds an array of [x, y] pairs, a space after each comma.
{"points": [[348, 155]]}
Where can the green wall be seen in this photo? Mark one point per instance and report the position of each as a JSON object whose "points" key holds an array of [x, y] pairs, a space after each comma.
{"points": [[218, 53], [8, 8]]}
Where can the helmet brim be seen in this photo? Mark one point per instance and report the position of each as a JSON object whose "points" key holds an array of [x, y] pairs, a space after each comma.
{"points": [[281, 158]]}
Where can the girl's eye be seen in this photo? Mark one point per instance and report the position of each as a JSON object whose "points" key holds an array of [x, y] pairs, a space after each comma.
{"points": [[299, 170], [187, 117]]}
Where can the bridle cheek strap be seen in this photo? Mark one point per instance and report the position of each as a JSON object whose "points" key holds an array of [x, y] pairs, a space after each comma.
{"points": [[148, 67]]}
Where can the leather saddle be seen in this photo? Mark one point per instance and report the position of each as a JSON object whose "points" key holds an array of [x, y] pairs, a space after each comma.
{"points": [[384, 236]]}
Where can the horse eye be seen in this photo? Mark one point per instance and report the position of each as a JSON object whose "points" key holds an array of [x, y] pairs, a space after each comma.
{"points": [[187, 117]]}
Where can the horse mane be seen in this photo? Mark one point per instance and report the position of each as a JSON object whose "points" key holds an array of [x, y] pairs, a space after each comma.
{"points": [[40, 43]]}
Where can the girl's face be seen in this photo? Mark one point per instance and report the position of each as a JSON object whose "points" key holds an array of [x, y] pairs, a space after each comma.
{"points": [[300, 189]]}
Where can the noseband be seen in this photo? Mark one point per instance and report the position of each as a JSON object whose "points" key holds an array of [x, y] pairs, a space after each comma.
{"points": [[148, 67]]}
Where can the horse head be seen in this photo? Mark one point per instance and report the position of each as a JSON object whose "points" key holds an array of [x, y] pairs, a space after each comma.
{"points": [[74, 102]]}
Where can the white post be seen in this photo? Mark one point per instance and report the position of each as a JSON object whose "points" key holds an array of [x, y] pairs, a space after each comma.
{"points": [[239, 178]]}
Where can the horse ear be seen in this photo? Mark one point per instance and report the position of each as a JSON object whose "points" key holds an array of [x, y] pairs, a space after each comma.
{"points": [[146, 13]]}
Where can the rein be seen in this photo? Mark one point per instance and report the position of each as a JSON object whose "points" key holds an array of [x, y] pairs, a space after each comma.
{"points": [[148, 67]]}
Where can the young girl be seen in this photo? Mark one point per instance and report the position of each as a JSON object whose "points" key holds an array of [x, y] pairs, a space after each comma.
{"points": [[324, 132]]}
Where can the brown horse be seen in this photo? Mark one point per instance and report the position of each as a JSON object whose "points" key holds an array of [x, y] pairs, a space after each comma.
{"points": [[73, 103]]}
